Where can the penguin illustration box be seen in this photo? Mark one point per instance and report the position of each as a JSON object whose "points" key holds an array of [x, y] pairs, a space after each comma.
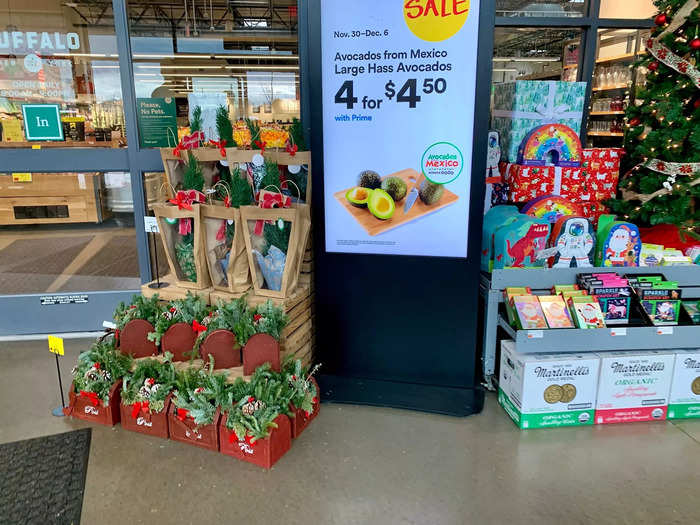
{"points": [[619, 243], [517, 244], [573, 237], [495, 218]]}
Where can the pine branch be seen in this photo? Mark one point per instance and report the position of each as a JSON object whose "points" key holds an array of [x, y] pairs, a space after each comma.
{"points": [[193, 177], [196, 124], [224, 127]]}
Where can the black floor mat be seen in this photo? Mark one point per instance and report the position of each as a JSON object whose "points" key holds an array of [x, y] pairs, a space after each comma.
{"points": [[42, 480]]}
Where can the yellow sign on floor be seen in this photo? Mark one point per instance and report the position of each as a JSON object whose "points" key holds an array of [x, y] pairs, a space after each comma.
{"points": [[21, 177], [56, 345]]}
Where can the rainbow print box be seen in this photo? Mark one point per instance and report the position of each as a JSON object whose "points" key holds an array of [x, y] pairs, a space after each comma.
{"points": [[521, 106]]}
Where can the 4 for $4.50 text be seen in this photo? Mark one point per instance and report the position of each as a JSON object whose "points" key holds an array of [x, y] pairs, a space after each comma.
{"points": [[407, 93]]}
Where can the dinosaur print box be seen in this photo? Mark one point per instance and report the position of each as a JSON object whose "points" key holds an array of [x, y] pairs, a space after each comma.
{"points": [[517, 245]]}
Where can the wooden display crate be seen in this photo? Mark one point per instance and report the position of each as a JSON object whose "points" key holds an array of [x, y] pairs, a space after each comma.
{"points": [[51, 198], [172, 291]]}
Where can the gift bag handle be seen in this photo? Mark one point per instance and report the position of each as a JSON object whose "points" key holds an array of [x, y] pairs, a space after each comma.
{"points": [[172, 189], [213, 191]]}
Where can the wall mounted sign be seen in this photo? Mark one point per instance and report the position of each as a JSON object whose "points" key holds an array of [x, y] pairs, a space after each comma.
{"points": [[398, 112], [157, 122], [42, 122]]}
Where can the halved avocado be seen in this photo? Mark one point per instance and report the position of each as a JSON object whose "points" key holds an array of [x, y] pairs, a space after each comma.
{"points": [[358, 196], [381, 205]]}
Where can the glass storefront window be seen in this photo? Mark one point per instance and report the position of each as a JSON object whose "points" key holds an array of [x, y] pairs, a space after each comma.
{"points": [[243, 57], [613, 80], [59, 75], [535, 54], [550, 8], [629, 9]]}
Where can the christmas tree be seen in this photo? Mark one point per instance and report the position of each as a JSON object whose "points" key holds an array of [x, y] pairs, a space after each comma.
{"points": [[663, 125]]}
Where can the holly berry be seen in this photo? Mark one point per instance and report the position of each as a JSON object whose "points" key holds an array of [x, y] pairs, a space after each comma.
{"points": [[661, 19], [653, 66], [695, 43], [636, 121]]}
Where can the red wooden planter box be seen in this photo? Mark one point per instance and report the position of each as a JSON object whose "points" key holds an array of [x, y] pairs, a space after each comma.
{"points": [[133, 339], [83, 408], [300, 420], [204, 436], [146, 422], [261, 349], [264, 452], [222, 345], [178, 339]]}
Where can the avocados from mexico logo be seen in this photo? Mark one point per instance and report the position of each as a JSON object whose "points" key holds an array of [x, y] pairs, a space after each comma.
{"points": [[442, 162], [435, 20]]}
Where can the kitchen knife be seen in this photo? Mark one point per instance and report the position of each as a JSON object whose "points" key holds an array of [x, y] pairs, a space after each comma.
{"points": [[410, 200]]}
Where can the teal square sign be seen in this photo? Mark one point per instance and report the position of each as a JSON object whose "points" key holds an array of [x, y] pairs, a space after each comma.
{"points": [[42, 122]]}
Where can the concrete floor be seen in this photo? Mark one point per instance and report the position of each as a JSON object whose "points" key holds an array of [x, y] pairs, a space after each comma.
{"points": [[372, 466]]}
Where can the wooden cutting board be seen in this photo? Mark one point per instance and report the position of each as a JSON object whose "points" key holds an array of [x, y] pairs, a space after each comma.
{"points": [[376, 226]]}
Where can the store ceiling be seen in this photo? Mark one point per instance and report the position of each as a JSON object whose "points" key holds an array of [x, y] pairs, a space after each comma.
{"points": [[531, 43]]}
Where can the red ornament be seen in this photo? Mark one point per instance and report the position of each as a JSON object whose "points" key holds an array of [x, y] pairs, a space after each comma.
{"points": [[636, 121], [661, 19], [696, 104], [695, 43], [653, 66]]}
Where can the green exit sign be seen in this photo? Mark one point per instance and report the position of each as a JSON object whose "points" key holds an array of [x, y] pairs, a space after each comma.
{"points": [[42, 122]]}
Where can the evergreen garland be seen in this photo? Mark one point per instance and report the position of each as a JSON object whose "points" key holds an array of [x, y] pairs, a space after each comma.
{"points": [[296, 134], [196, 124], [224, 127], [200, 392], [276, 237], [254, 128], [191, 308], [234, 316], [241, 192], [304, 393], [152, 381], [140, 307], [272, 175], [184, 253], [99, 368], [193, 178], [268, 318]]}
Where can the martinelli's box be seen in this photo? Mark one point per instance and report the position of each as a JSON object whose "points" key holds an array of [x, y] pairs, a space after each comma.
{"points": [[634, 386], [684, 401], [547, 390]]}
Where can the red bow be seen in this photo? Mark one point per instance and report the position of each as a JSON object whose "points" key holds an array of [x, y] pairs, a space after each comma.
{"points": [[262, 145], [181, 201], [269, 200], [137, 407], [92, 397], [221, 233], [116, 334], [180, 147], [249, 440], [257, 317], [199, 328], [292, 149], [181, 413], [227, 201], [221, 144]]}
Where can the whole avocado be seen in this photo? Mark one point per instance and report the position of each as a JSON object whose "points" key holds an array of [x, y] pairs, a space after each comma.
{"points": [[370, 179], [396, 187], [430, 192]]}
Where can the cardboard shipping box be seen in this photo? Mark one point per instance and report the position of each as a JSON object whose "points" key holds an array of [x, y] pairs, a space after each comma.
{"points": [[634, 386], [684, 401], [547, 390]]}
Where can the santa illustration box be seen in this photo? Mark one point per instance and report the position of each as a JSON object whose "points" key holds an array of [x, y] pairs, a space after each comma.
{"points": [[518, 244], [634, 386], [619, 243]]}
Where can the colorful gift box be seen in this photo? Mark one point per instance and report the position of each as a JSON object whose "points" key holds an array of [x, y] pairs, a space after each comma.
{"points": [[523, 105]]}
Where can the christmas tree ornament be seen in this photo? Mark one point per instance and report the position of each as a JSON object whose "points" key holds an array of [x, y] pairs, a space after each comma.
{"points": [[696, 104], [695, 43], [661, 19], [636, 121], [653, 66]]}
